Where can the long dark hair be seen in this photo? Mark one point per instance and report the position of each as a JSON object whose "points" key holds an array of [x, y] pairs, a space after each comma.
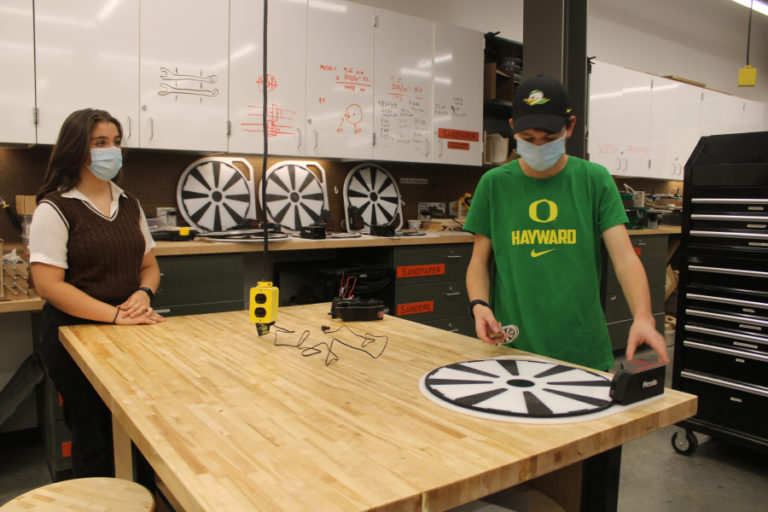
{"points": [[72, 149]]}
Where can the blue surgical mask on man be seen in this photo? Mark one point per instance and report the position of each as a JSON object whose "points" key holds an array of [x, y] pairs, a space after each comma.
{"points": [[106, 162], [541, 158]]}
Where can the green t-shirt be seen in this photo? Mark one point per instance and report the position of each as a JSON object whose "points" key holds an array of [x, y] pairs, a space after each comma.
{"points": [[545, 235]]}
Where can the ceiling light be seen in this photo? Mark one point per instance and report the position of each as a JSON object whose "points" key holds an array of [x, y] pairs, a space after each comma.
{"points": [[757, 5]]}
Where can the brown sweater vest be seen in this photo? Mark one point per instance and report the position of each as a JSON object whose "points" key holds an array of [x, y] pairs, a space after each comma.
{"points": [[104, 255]]}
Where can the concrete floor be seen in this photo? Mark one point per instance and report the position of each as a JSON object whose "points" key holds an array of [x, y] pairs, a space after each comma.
{"points": [[718, 476]]}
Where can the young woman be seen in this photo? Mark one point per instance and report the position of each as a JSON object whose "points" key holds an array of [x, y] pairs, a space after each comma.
{"points": [[92, 261]]}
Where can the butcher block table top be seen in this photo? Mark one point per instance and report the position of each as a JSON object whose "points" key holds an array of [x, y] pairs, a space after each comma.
{"points": [[230, 421]]}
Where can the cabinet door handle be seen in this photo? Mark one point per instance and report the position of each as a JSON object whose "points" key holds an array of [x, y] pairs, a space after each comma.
{"points": [[130, 132], [316, 139], [151, 128], [298, 132], [426, 148]]}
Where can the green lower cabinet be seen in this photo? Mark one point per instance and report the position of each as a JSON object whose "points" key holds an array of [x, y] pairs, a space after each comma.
{"points": [[200, 283], [462, 325]]}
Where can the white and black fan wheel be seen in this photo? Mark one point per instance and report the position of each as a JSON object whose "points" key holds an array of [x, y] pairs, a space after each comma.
{"points": [[213, 195], [294, 197], [519, 387], [371, 190]]}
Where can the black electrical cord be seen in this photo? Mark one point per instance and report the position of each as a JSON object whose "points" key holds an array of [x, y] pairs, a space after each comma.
{"points": [[266, 137], [331, 356], [749, 27]]}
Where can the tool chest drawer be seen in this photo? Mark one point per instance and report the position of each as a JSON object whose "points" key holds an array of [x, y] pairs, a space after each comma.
{"points": [[734, 363], [422, 264], [424, 302], [728, 403]]}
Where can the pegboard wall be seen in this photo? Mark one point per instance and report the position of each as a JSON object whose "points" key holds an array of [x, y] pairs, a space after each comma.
{"points": [[152, 176]]}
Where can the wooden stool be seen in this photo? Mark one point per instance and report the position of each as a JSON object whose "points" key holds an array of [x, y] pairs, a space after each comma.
{"points": [[84, 495]]}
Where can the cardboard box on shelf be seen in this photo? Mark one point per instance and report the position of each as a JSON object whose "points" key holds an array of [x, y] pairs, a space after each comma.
{"points": [[25, 205]]}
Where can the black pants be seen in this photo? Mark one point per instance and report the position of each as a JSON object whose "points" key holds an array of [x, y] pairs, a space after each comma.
{"points": [[85, 414]]}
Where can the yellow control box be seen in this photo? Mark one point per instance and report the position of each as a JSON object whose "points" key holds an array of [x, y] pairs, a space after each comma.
{"points": [[263, 304], [747, 76]]}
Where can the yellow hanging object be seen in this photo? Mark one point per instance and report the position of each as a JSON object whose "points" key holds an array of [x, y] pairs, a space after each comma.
{"points": [[747, 76]]}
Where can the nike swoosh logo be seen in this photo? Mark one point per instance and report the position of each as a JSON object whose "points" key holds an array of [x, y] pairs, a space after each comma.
{"points": [[535, 254]]}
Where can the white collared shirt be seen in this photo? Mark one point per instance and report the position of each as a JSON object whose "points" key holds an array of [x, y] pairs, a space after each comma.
{"points": [[49, 233]]}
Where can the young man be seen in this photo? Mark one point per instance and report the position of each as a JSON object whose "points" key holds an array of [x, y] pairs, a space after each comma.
{"points": [[542, 218]]}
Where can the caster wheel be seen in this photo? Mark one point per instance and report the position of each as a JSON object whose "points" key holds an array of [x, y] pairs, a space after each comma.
{"points": [[685, 445]]}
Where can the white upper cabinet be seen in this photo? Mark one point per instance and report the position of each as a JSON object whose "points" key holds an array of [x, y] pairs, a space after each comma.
{"points": [[721, 113], [17, 96], [675, 126], [183, 89], [755, 116], [285, 81], [339, 79], [402, 115], [87, 57], [619, 124], [458, 95]]}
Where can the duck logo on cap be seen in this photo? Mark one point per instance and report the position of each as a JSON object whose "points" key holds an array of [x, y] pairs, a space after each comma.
{"points": [[536, 97]]}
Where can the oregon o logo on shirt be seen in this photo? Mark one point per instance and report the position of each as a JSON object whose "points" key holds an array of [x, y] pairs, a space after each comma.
{"points": [[533, 210]]}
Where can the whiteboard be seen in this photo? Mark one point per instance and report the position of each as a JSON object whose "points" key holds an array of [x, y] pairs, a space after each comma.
{"points": [[286, 77], [87, 56], [402, 115], [458, 95], [339, 79], [17, 96], [183, 77]]}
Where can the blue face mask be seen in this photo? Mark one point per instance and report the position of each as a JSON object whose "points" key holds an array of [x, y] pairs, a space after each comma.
{"points": [[541, 158], [106, 162]]}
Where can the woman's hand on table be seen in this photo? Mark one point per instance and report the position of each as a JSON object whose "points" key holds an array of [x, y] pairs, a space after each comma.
{"points": [[137, 310]]}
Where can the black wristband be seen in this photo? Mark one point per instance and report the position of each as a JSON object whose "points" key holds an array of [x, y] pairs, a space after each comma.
{"points": [[148, 291], [474, 303]]}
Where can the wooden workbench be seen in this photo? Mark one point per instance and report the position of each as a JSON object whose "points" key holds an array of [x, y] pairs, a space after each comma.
{"points": [[231, 422]]}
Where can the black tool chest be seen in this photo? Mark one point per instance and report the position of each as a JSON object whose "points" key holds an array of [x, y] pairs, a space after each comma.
{"points": [[721, 342]]}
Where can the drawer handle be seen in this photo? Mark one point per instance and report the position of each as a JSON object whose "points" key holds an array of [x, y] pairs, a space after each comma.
{"points": [[725, 350], [727, 334], [753, 390], [729, 271], [163, 311], [730, 234], [453, 256], [451, 294], [723, 200], [722, 316], [726, 300], [733, 218]]}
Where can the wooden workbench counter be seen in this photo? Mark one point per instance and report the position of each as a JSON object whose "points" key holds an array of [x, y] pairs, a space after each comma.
{"points": [[299, 244], [231, 421]]}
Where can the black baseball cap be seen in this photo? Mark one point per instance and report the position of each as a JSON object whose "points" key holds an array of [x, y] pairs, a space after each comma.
{"points": [[542, 103]]}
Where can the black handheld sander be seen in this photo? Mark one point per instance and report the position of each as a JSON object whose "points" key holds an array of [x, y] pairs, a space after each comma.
{"points": [[636, 381]]}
